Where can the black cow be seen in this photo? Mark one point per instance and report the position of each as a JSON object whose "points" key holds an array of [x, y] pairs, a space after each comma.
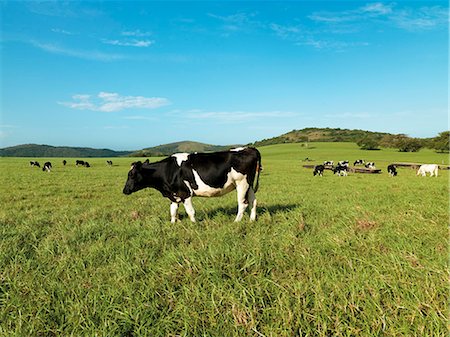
{"points": [[35, 163], [340, 170], [47, 166], [318, 170], [183, 175], [79, 162], [64, 162], [392, 170], [359, 162]]}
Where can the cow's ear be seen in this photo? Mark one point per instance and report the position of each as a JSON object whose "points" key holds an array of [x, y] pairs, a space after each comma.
{"points": [[136, 164], [147, 161]]}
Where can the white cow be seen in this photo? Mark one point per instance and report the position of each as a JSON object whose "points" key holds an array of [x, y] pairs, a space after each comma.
{"points": [[432, 169]]}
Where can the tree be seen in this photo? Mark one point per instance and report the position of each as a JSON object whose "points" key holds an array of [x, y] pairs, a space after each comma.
{"points": [[409, 144], [368, 143], [441, 142]]}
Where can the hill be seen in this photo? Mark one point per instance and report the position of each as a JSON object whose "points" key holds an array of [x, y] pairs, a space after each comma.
{"points": [[184, 146], [34, 150], [320, 135]]}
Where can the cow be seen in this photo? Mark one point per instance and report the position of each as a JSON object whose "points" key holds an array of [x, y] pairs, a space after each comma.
{"points": [[79, 162], [343, 163], [109, 162], [182, 176], [340, 170], [47, 166], [318, 170], [359, 162], [34, 163], [328, 163], [432, 169], [64, 162], [370, 165], [392, 170]]}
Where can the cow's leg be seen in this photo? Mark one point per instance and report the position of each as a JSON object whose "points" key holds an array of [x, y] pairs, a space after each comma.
{"points": [[189, 208], [252, 202], [241, 189], [173, 212]]}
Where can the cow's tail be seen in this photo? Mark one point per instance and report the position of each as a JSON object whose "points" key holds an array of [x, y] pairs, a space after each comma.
{"points": [[258, 170]]}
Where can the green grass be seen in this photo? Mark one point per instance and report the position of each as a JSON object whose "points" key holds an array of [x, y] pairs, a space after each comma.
{"points": [[363, 255]]}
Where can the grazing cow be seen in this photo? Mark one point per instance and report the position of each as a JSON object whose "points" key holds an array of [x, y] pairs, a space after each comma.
{"points": [[343, 163], [328, 163], [432, 169], [340, 170], [86, 164], [79, 162], [392, 170], [64, 162], [183, 176], [47, 166], [109, 162], [359, 162], [35, 163], [370, 165], [318, 170]]}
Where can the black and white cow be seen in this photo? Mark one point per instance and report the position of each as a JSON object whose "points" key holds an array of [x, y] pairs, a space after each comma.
{"points": [[392, 170], [370, 165], [343, 163], [328, 163], [318, 170], [183, 176], [34, 163], [340, 170], [359, 162], [64, 162], [47, 166], [109, 162], [79, 162]]}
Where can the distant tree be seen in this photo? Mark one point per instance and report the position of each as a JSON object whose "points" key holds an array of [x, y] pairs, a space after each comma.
{"points": [[392, 141], [409, 144], [368, 143], [441, 142]]}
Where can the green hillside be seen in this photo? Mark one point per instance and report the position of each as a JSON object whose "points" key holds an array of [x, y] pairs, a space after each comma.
{"points": [[184, 146], [320, 135], [34, 150]]}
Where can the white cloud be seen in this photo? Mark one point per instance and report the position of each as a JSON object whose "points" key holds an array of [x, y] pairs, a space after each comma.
{"points": [[61, 31], [110, 102], [136, 33], [140, 118], [402, 17], [130, 43], [83, 54]]}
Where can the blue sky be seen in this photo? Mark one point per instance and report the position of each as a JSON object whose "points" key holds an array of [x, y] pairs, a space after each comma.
{"points": [[134, 74]]}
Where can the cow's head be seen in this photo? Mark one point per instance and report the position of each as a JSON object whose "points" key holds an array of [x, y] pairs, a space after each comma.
{"points": [[135, 181]]}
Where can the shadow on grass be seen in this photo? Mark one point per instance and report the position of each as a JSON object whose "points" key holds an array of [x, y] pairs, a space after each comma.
{"points": [[271, 209]]}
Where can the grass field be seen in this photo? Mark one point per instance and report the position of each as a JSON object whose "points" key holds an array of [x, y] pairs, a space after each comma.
{"points": [[363, 255]]}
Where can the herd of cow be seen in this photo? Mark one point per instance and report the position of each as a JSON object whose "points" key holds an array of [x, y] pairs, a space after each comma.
{"points": [[182, 176], [48, 165], [342, 168]]}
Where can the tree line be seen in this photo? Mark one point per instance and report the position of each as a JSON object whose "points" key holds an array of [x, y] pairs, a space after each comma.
{"points": [[404, 143]]}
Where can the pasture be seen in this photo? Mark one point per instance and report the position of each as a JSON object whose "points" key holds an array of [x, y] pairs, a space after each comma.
{"points": [[363, 255]]}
